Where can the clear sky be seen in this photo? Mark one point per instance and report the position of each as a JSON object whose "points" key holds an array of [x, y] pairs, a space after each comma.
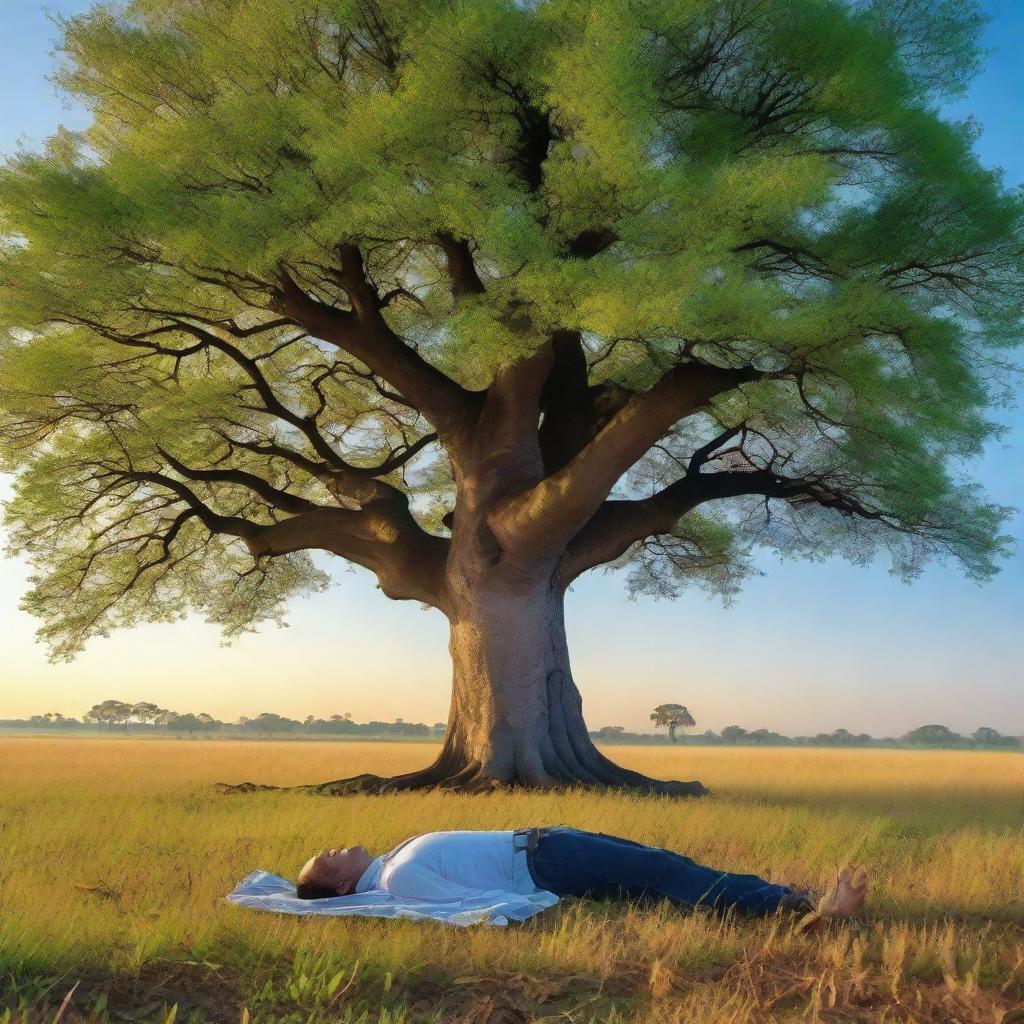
{"points": [[806, 647]]}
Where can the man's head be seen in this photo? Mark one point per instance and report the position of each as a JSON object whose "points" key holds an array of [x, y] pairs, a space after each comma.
{"points": [[332, 872]]}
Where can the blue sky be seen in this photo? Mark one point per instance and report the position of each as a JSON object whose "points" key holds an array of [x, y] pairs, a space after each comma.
{"points": [[806, 647]]}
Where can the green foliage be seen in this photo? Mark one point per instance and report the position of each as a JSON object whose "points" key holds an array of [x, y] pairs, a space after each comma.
{"points": [[780, 193], [701, 551], [932, 736]]}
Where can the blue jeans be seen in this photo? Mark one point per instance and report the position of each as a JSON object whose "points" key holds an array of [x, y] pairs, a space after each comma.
{"points": [[570, 862]]}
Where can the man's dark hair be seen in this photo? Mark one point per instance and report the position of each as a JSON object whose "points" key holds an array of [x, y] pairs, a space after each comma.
{"points": [[308, 891]]}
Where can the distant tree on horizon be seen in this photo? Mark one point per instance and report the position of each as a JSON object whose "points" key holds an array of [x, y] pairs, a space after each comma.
{"points": [[672, 717], [189, 722], [271, 722], [932, 736], [733, 734], [110, 712], [986, 735], [147, 712], [113, 712], [843, 738]]}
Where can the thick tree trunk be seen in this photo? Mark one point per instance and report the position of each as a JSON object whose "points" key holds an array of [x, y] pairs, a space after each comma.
{"points": [[516, 716]]}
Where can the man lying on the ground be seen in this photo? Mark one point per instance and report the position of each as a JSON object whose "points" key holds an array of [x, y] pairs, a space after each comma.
{"points": [[443, 866]]}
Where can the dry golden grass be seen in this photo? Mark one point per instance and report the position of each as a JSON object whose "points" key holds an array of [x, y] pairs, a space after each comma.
{"points": [[943, 939]]}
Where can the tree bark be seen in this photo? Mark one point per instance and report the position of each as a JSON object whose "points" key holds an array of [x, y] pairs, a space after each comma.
{"points": [[516, 716]]}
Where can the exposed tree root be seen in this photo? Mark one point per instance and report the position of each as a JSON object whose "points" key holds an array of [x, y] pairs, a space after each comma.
{"points": [[471, 778]]}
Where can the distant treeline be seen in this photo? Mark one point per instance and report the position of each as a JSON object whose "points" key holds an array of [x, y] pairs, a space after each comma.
{"points": [[734, 735], [147, 718]]}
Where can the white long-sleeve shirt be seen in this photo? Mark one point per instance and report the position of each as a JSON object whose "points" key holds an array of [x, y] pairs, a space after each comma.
{"points": [[451, 866]]}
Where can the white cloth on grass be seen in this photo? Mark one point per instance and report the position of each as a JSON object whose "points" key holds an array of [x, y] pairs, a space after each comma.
{"points": [[459, 878]]}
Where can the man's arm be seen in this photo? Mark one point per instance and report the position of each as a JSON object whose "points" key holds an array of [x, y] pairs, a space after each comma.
{"points": [[414, 881]]}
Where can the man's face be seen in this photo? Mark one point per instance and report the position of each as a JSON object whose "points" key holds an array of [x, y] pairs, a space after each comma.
{"points": [[335, 868]]}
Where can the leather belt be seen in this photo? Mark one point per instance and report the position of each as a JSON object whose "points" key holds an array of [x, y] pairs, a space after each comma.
{"points": [[527, 838]]}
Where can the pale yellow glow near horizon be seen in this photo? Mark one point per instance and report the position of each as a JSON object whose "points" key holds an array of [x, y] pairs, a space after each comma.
{"points": [[352, 650], [806, 649]]}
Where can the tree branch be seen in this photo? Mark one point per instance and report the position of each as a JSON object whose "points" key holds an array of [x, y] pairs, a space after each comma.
{"points": [[506, 452], [543, 518], [464, 278], [273, 496], [383, 537], [354, 482], [357, 483], [207, 339], [408, 562], [233, 526], [566, 402], [619, 524], [364, 333]]}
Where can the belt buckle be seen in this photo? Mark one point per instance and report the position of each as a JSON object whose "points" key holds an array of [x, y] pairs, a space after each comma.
{"points": [[526, 838]]}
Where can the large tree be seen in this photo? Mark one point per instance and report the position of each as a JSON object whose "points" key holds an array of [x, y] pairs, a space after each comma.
{"points": [[481, 295]]}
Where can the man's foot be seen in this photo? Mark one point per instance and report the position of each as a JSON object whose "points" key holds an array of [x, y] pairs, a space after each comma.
{"points": [[844, 899], [848, 894]]}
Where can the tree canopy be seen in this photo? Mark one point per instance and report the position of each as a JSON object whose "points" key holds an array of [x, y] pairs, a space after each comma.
{"points": [[672, 717], [257, 307], [931, 735]]}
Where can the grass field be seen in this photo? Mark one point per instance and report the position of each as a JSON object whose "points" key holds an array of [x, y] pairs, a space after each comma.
{"points": [[943, 939]]}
